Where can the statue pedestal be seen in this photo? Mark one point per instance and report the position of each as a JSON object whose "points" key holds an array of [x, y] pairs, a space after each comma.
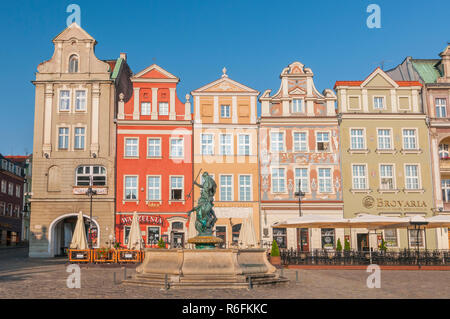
{"points": [[205, 242], [205, 268]]}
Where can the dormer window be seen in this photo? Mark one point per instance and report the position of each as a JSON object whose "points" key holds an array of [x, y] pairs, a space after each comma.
{"points": [[73, 64], [297, 106]]}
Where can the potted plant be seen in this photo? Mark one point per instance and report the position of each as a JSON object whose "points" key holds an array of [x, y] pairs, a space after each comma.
{"points": [[346, 247], [275, 258], [383, 246], [161, 243], [103, 253]]}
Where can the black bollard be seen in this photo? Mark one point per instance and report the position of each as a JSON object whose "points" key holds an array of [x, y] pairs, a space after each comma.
{"points": [[250, 285]]}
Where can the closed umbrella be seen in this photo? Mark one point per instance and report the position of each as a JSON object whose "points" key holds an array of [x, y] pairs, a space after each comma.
{"points": [[192, 232], [79, 240], [135, 241], [247, 235]]}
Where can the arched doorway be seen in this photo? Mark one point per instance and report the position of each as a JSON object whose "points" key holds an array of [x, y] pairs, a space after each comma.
{"points": [[61, 231]]}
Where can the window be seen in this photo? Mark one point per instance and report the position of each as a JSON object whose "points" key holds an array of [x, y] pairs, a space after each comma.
{"points": [[378, 103], [153, 235], [64, 100], [390, 237], [235, 231], [441, 107], [277, 142], [154, 188], [126, 234], [409, 139], [244, 144], [359, 177], [445, 186], [80, 100], [131, 187], [225, 111], [176, 188], [301, 175], [221, 232], [411, 177], [79, 138], [324, 180], [384, 139], [63, 138], [322, 141], [176, 147], [145, 108], [278, 180], [154, 147], [226, 187], [131, 147], [443, 151], [9, 210], [73, 64], [207, 144], [3, 186], [17, 190], [327, 238], [2, 208], [387, 177], [84, 175], [10, 189], [300, 143], [297, 106], [163, 108], [357, 139], [415, 238], [245, 187], [280, 236], [226, 147]]}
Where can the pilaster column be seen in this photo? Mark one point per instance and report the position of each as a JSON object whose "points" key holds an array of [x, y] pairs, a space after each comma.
{"points": [[310, 107], [253, 109], [48, 107], [187, 108], [136, 112], [309, 85], [394, 101], [234, 109], [154, 113], [415, 101], [343, 101], [197, 109], [95, 117], [172, 112], [121, 107], [365, 101], [216, 109]]}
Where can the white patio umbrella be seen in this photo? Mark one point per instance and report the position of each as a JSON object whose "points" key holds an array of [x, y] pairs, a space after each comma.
{"points": [[370, 221], [79, 240], [314, 221], [438, 221], [135, 241], [247, 236]]}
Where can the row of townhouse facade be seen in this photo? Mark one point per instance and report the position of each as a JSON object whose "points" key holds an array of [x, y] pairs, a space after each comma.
{"points": [[370, 146]]}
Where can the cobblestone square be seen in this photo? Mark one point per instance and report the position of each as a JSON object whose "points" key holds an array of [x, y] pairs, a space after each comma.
{"points": [[23, 277]]}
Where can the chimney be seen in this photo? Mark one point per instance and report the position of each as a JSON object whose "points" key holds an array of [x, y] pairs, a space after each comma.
{"points": [[123, 56]]}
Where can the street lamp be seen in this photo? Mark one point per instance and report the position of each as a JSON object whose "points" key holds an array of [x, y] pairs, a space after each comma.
{"points": [[300, 194], [90, 192]]}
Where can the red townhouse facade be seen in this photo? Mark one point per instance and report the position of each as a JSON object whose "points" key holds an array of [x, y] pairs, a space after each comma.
{"points": [[154, 160]]}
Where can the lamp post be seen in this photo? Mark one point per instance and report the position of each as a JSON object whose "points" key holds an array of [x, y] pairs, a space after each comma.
{"points": [[300, 194], [90, 192]]}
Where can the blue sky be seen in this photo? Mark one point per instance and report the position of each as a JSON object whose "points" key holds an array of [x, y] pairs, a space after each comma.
{"points": [[194, 40]]}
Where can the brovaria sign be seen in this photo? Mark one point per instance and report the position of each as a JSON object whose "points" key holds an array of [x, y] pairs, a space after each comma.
{"points": [[371, 202]]}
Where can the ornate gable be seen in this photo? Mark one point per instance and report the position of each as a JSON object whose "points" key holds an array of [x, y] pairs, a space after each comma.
{"points": [[225, 84], [155, 72]]}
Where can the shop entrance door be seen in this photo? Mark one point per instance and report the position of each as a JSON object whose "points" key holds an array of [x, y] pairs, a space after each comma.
{"points": [[363, 242], [302, 239], [177, 240]]}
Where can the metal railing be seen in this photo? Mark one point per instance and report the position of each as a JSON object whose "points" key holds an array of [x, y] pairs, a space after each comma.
{"points": [[352, 257]]}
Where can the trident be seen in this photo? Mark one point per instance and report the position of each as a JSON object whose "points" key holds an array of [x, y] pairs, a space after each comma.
{"points": [[188, 196]]}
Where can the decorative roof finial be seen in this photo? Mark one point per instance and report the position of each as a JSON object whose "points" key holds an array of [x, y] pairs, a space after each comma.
{"points": [[224, 75]]}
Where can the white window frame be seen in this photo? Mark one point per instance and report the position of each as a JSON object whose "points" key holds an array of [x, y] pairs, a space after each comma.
{"points": [[397, 237], [148, 145], [60, 99], [331, 179], [360, 178], [284, 191], [296, 178], [394, 182], [422, 235], [67, 137], [363, 137], [440, 106], [125, 155], [317, 141], [383, 98], [295, 148], [84, 108], [419, 180], [416, 138], [249, 145], [391, 140], [159, 108], [159, 188], [231, 186], [82, 136], [246, 186], [295, 105], [149, 109], [182, 188], [225, 107], [283, 141], [227, 145], [209, 146], [4, 186], [182, 147], [125, 189]]}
